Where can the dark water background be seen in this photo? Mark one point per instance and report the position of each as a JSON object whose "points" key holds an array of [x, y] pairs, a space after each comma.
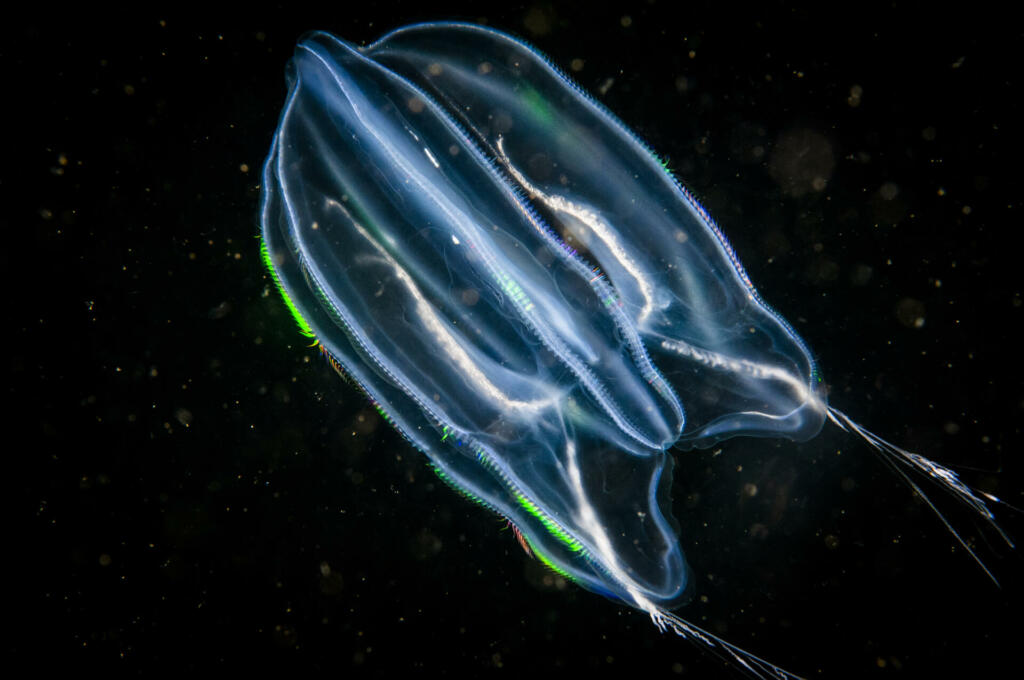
{"points": [[195, 489]]}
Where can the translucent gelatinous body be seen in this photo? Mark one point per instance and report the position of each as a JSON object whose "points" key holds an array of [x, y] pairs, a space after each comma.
{"points": [[524, 289]]}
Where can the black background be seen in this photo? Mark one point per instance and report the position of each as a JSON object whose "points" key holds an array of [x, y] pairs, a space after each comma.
{"points": [[194, 488]]}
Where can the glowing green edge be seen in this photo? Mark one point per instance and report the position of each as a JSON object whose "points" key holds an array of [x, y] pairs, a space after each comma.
{"points": [[548, 563], [553, 527], [304, 327], [544, 559], [546, 521]]}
